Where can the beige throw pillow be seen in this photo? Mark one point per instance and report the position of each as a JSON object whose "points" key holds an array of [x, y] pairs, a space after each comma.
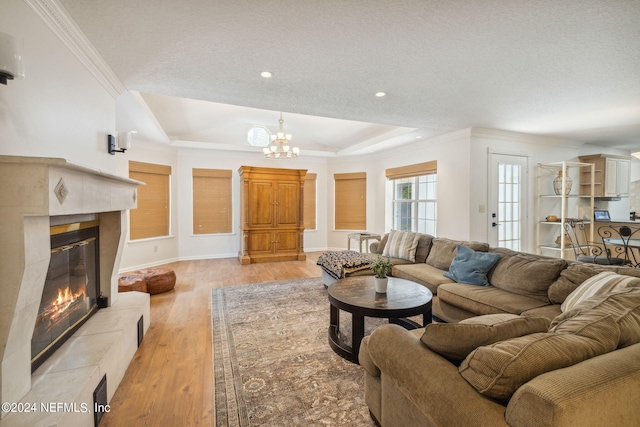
{"points": [[401, 244], [456, 340], [600, 284]]}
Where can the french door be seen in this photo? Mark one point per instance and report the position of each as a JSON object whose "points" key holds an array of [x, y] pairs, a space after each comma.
{"points": [[508, 183]]}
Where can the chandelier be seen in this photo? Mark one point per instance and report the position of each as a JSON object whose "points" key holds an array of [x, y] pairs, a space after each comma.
{"points": [[280, 145]]}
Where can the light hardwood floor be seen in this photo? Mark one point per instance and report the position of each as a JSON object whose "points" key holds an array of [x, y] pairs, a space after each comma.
{"points": [[170, 379]]}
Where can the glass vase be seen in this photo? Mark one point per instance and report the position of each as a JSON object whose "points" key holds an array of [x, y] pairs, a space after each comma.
{"points": [[557, 184]]}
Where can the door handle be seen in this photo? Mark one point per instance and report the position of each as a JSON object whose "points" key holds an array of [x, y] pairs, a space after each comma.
{"points": [[495, 224]]}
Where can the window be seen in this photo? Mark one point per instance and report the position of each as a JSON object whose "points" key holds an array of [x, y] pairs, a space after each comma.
{"points": [[414, 198], [310, 202], [350, 201], [151, 218], [212, 211]]}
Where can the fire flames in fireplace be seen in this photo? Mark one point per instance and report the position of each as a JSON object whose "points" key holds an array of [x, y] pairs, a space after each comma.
{"points": [[70, 292], [66, 301]]}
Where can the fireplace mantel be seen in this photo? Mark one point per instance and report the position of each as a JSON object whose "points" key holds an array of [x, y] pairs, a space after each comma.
{"points": [[34, 190]]}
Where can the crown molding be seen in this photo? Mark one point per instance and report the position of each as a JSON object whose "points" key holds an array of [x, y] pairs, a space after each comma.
{"points": [[57, 18]]}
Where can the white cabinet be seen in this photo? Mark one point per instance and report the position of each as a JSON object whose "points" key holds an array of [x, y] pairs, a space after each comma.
{"points": [[616, 177], [611, 175], [573, 205]]}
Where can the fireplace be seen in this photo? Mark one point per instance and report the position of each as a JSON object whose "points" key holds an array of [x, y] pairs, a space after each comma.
{"points": [[71, 288], [80, 213]]}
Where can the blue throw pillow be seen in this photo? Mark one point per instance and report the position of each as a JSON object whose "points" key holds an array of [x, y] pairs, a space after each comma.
{"points": [[471, 267]]}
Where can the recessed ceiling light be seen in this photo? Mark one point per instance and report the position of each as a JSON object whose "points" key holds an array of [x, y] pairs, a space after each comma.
{"points": [[380, 94], [266, 74], [419, 137]]}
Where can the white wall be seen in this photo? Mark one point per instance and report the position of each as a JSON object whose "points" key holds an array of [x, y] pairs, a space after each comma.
{"points": [[451, 151], [59, 109], [183, 244]]}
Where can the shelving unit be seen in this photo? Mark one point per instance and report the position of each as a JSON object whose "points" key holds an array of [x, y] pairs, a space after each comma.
{"points": [[571, 206]]}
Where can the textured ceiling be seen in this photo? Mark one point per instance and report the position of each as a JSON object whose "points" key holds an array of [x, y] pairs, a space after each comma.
{"points": [[568, 69]]}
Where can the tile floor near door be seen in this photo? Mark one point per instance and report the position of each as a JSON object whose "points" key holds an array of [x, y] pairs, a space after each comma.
{"points": [[170, 379]]}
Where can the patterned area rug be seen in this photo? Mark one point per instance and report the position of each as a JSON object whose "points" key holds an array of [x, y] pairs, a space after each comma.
{"points": [[272, 362]]}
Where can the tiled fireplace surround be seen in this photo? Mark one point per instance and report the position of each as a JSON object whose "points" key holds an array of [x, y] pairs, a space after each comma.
{"points": [[33, 191]]}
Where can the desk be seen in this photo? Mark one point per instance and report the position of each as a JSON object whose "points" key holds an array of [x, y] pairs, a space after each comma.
{"points": [[362, 237]]}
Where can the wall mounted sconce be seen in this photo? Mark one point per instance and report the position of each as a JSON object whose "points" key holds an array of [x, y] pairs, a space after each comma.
{"points": [[10, 58], [120, 144]]}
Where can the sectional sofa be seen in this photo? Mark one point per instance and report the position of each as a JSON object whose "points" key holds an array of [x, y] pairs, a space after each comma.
{"points": [[519, 283], [542, 343]]}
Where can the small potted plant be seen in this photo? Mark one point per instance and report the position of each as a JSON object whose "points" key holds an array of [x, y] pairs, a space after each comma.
{"points": [[381, 267]]}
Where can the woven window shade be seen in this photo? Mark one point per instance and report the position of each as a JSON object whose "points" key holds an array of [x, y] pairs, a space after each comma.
{"points": [[409, 171], [351, 201], [151, 218], [212, 212], [310, 201]]}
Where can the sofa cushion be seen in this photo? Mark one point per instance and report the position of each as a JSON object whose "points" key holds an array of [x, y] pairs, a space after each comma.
{"points": [[424, 247], [550, 311], [525, 274], [499, 369], [456, 340], [485, 299], [424, 274], [576, 273], [600, 284], [623, 306], [444, 250], [401, 244], [471, 267], [378, 247]]}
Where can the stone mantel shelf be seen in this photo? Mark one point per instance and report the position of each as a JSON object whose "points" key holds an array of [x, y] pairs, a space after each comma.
{"points": [[66, 164]]}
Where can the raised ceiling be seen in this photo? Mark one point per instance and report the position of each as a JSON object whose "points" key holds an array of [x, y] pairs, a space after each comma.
{"points": [[568, 69]]}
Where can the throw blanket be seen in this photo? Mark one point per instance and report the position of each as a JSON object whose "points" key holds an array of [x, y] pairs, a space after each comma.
{"points": [[338, 263]]}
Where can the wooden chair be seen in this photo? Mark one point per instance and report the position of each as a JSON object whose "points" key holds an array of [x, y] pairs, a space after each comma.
{"points": [[586, 251]]}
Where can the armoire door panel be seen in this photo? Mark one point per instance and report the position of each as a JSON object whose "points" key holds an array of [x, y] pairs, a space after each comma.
{"points": [[287, 240], [262, 203], [288, 204], [261, 242]]}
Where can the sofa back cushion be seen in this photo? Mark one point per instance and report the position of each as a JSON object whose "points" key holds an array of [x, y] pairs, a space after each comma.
{"points": [[444, 250], [525, 274], [623, 306], [576, 273], [424, 247], [498, 370]]}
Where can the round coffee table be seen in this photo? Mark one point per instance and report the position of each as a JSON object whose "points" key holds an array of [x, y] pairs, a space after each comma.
{"points": [[357, 296]]}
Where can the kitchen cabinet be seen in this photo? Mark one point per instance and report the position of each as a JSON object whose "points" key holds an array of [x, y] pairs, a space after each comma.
{"points": [[271, 214], [611, 175]]}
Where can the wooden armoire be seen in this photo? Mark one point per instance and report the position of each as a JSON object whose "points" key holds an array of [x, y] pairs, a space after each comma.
{"points": [[271, 214]]}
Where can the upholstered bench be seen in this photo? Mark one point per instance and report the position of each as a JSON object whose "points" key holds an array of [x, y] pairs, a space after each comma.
{"points": [[157, 280], [338, 264]]}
